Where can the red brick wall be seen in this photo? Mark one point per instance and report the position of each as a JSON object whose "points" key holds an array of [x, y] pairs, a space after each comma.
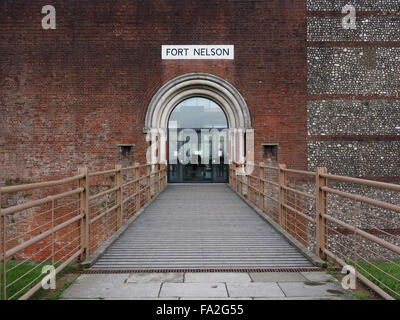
{"points": [[70, 95]]}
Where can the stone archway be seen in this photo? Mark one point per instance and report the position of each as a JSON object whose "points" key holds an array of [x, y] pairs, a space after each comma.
{"points": [[197, 84]]}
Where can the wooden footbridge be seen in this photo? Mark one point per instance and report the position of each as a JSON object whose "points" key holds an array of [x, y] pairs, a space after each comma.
{"points": [[131, 219]]}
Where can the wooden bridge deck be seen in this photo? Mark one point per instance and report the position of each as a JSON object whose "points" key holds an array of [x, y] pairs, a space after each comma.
{"points": [[200, 227]]}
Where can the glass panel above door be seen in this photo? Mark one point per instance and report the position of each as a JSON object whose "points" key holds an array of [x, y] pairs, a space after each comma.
{"points": [[198, 112]]}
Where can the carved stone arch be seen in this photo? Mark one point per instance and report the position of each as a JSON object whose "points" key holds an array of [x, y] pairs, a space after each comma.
{"points": [[197, 84]]}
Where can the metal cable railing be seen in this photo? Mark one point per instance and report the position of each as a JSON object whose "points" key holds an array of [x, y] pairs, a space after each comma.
{"points": [[326, 215], [69, 221]]}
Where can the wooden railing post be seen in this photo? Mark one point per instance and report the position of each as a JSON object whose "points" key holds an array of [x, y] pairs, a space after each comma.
{"points": [[261, 187], [249, 190], [157, 170], [136, 173], [230, 166], [84, 209], [321, 207], [161, 177], [164, 175], [234, 185], [161, 168], [118, 185], [232, 175], [240, 184], [237, 178], [282, 195], [3, 252], [148, 182]]}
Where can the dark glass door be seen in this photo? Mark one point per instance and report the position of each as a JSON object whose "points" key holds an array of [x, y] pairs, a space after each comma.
{"points": [[197, 155], [201, 167]]}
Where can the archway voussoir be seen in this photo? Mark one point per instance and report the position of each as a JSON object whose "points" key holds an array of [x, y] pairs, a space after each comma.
{"points": [[201, 84]]}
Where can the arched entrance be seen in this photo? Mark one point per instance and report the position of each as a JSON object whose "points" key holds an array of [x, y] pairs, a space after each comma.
{"points": [[197, 142], [215, 91]]}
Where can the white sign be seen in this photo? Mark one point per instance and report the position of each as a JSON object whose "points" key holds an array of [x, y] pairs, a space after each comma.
{"points": [[220, 52]]}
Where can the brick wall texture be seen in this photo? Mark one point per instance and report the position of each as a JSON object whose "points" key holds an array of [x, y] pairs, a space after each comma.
{"points": [[69, 96]]}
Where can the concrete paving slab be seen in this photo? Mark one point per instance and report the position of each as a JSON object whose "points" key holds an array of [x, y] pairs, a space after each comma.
{"points": [[87, 285], [305, 298], [318, 276], [109, 286], [254, 289], [102, 278], [170, 286], [168, 298], [217, 277], [155, 277], [138, 290], [99, 298], [193, 290], [317, 289], [277, 276], [213, 298]]}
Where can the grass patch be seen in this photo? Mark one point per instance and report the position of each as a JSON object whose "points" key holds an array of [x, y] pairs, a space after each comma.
{"points": [[383, 280], [24, 277], [59, 293], [360, 296], [332, 273]]}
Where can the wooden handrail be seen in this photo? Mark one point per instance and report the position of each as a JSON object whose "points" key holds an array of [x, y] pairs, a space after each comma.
{"points": [[377, 203], [35, 203], [41, 236], [318, 222], [98, 173], [366, 235], [38, 185], [310, 173], [103, 193], [81, 214], [371, 183]]}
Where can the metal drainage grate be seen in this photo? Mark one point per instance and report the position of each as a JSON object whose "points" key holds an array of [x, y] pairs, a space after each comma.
{"points": [[202, 229], [108, 271]]}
